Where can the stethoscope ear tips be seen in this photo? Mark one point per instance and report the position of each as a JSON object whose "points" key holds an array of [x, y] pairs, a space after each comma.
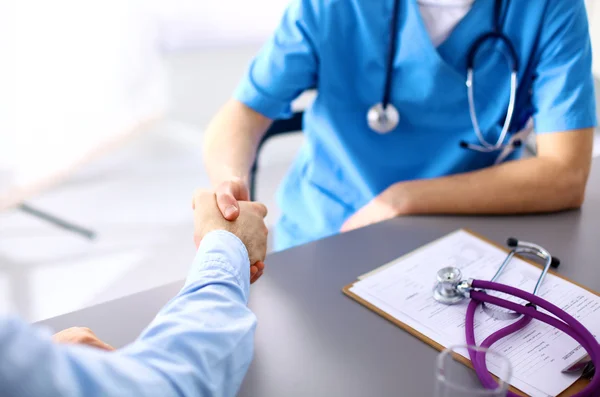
{"points": [[512, 242], [465, 145]]}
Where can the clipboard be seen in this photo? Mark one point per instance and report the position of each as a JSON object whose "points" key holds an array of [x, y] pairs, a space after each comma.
{"points": [[576, 387]]}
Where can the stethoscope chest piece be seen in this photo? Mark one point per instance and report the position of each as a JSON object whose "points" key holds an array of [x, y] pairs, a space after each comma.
{"points": [[449, 286], [383, 120]]}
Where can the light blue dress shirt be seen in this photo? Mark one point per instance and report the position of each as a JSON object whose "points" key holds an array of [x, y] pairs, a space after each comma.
{"points": [[200, 344], [340, 47]]}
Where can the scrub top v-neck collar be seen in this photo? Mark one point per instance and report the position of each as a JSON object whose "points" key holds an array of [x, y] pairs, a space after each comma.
{"points": [[476, 22]]}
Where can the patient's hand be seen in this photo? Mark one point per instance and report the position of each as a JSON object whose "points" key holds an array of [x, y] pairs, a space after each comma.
{"points": [[80, 336], [249, 226]]}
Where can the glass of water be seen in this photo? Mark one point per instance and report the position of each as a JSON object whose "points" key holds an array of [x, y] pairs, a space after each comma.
{"points": [[454, 379]]}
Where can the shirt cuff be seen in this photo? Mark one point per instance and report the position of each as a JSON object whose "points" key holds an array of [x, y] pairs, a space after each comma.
{"points": [[250, 95], [221, 250]]}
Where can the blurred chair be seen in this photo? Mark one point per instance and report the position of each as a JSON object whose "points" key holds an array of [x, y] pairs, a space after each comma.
{"points": [[279, 127], [57, 221]]}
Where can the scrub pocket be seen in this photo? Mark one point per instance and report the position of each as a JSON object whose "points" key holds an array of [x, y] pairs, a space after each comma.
{"points": [[311, 203]]}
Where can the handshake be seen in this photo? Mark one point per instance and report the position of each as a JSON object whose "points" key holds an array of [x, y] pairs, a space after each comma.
{"points": [[228, 209]]}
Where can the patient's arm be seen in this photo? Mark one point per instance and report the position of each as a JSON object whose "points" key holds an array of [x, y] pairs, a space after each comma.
{"points": [[201, 342]]}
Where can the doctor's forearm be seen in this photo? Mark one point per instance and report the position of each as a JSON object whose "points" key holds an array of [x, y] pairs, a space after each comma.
{"points": [[524, 186], [231, 141], [554, 180]]}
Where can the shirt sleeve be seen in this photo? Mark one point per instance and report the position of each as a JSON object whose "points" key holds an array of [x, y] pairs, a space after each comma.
{"points": [[200, 344], [563, 86], [286, 65]]}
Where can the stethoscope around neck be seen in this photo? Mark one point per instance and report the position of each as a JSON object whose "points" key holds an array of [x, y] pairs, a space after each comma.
{"points": [[383, 117]]}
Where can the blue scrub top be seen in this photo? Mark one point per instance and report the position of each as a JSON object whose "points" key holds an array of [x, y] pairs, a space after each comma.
{"points": [[340, 48]]}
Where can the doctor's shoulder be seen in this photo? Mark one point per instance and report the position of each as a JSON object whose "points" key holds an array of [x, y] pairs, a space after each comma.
{"points": [[559, 10]]}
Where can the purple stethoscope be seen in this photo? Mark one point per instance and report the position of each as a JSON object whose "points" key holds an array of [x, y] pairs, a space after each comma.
{"points": [[451, 289]]}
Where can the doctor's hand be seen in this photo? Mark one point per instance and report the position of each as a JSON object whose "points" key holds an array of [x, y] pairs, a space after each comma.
{"points": [[249, 226], [377, 210], [229, 193], [80, 336]]}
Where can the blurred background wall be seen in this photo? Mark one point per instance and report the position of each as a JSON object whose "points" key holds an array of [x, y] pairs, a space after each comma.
{"points": [[105, 108]]}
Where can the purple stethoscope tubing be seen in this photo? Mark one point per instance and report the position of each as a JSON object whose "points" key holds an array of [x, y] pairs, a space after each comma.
{"points": [[568, 325]]}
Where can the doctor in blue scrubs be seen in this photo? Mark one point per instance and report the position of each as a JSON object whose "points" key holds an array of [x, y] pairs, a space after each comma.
{"points": [[200, 344], [400, 126]]}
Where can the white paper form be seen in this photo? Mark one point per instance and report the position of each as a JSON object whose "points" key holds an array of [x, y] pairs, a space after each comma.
{"points": [[537, 353]]}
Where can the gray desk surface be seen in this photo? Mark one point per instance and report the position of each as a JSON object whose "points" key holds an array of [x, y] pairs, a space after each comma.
{"points": [[312, 340]]}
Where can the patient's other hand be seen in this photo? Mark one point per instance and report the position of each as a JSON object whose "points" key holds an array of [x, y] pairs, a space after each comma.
{"points": [[80, 336]]}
